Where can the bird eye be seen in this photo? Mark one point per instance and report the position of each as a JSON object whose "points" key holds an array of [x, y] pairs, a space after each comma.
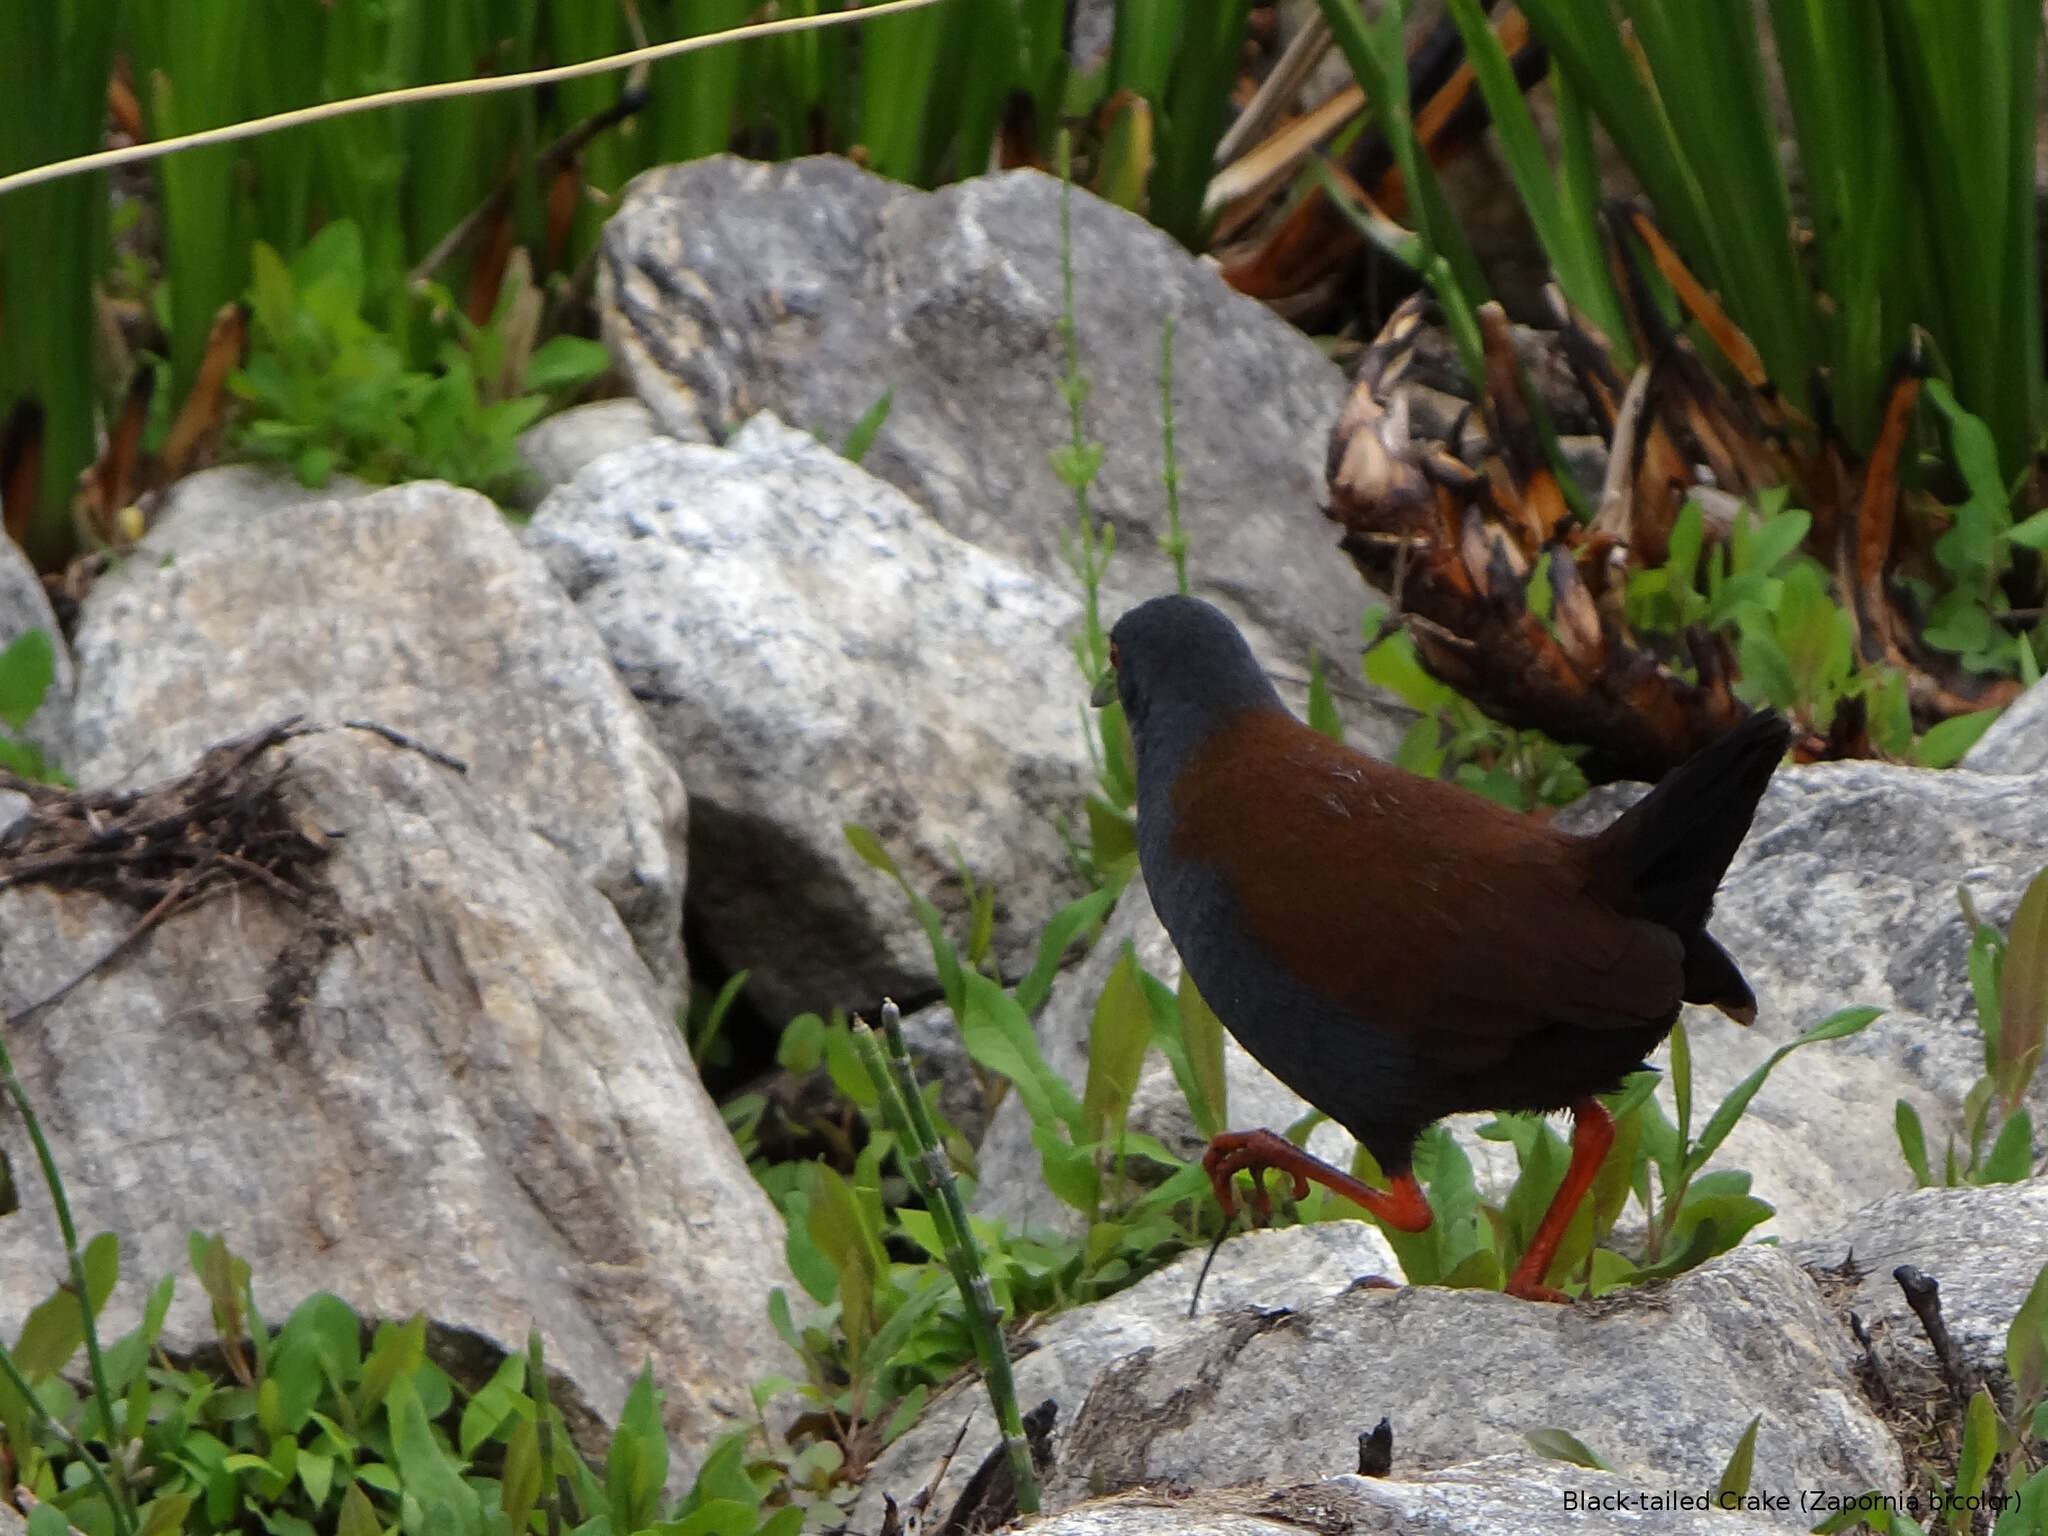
{"points": [[1112, 653]]}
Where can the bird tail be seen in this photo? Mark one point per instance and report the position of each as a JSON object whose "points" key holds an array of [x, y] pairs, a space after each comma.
{"points": [[1665, 857]]}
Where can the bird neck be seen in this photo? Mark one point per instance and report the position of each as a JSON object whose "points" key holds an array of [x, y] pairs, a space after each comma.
{"points": [[1175, 730]]}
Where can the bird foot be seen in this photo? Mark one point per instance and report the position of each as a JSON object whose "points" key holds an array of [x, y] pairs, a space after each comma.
{"points": [[1251, 1152], [1534, 1290], [1402, 1205]]}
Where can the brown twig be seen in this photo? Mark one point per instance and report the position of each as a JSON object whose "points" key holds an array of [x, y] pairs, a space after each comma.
{"points": [[1923, 1295], [1880, 1378], [398, 738], [168, 848], [1376, 1451]]}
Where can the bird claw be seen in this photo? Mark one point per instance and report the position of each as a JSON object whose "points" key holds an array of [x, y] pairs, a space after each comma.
{"points": [[1223, 1168]]}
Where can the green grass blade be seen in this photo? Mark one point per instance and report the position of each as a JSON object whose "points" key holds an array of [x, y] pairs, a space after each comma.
{"points": [[1378, 62], [54, 64], [898, 61], [1569, 230]]}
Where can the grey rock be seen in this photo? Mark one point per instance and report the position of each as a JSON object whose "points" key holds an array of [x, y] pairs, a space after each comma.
{"points": [[809, 288], [1506, 1495], [1985, 1246], [1289, 1269], [414, 607], [556, 447], [1661, 1382], [25, 606], [2018, 739], [814, 651], [1845, 893], [1662, 1385], [455, 1091]]}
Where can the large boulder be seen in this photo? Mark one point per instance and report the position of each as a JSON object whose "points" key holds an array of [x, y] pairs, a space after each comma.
{"points": [[444, 1083], [1661, 1382], [810, 288], [415, 607], [813, 651], [1292, 1268], [1845, 893]]}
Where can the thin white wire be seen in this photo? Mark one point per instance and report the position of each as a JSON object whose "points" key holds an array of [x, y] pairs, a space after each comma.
{"points": [[447, 90]]}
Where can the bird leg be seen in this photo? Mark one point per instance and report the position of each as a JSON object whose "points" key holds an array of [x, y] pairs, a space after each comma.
{"points": [[1403, 1207], [1592, 1135]]}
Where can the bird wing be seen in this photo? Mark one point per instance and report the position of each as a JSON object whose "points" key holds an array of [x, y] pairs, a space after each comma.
{"points": [[1425, 910]]}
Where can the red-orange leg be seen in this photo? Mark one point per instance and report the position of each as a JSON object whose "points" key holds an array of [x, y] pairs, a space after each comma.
{"points": [[1592, 1135], [1403, 1207]]}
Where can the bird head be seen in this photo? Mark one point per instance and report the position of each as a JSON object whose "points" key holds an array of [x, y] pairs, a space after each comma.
{"points": [[1180, 669]]}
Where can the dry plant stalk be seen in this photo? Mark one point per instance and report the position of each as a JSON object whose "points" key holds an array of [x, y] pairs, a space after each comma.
{"points": [[1455, 542]]}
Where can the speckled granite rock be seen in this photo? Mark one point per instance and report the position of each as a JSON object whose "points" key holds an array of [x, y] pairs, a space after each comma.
{"points": [[808, 288], [815, 651]]}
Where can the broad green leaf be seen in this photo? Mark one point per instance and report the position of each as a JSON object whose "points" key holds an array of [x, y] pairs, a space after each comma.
{"points": [[565, 362], [316, 1475], [636, 1465], [910, 1315], [225, 1279], [718, 1517], [1322, 709], [2026, 1343], [1069, 1172], [2023, 994], [519, 1481], [2011, 1158], [840, 1231], [906, 1414], [1980, 1445], [1681, 1081], [27, 667], [999, 1036], [1118, 1034], [723, 1473], [1944, 744], [164, 1514], [320, 1342], [1836, 1026], [398, 1351], [1985, 515], [1912, 1142], [1734, 1483], [1562, 1445], [1202, 1033], [128, 1355], [424, 1468], [2032, 533], [358, 1516], [492, 1405], [1067, 925], [802, 1045], [1543, 1157], [53, 1331]]}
